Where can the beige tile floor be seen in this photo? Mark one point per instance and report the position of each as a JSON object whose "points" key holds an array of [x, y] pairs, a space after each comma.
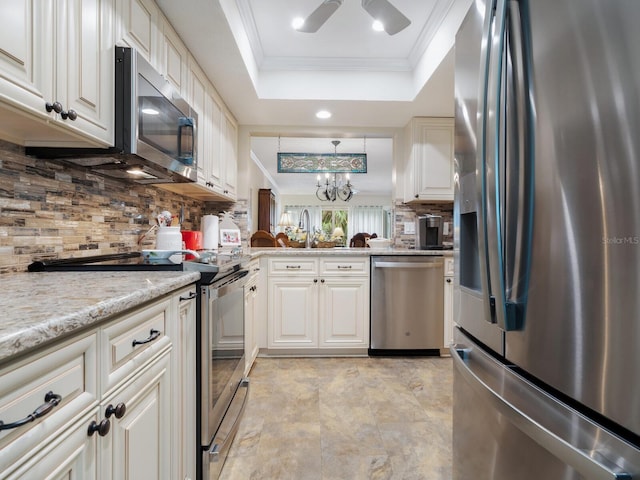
{"points": [[345, 418]]}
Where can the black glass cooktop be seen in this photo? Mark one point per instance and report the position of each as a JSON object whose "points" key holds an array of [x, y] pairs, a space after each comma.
{"points": [[216, 266]]}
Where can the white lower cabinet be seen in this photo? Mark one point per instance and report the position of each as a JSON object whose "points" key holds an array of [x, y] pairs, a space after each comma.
{"points": [[56, 445], [72, 455], [344, 307], [324, 304], [293, 312], [448, 302], [183, 385], [252, 309], [139, 443], [119, 403]]}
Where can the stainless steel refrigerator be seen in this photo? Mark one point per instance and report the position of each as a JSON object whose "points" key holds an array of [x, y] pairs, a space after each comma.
{"points": [[547, 241]]}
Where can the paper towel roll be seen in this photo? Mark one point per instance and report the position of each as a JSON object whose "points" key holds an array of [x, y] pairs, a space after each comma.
{"points": [[210, 235]]}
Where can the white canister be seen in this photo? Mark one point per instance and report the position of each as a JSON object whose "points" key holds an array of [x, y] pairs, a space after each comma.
{"points": [[170, 238]]}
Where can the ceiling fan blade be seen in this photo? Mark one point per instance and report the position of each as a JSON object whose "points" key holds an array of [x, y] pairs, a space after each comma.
{"points": [[392, 19], [319, 16]]}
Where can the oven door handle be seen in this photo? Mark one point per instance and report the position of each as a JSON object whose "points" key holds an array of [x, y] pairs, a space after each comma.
{"points": [[231, 422]]}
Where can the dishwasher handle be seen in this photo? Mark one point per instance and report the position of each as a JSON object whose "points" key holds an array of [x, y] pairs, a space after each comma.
{"points": [[408, 264]]}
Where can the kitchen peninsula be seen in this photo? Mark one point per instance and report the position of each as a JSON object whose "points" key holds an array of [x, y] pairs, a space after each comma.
{"points": [[317, 300]]}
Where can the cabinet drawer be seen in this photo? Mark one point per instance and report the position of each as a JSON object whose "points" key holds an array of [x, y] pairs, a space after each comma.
{"points": [[129, 343], [344, 265], [254, 270], [71, 455], [69, 371], [448, 266], [280, 266]]}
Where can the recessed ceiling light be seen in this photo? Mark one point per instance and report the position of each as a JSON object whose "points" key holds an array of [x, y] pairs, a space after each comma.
{"points": [[150, 111], [323, 114], [297, 23], [377, 26]]}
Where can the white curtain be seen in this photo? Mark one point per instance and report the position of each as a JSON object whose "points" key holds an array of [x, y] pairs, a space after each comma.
{"points": [[361, 219], [366, 220]]}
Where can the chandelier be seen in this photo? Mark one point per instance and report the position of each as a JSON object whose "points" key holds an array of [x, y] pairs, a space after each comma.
{"points": [[333, 188]]}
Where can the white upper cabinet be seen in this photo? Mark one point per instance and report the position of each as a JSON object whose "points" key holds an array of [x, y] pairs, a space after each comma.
{"points": [[217, 138], [229, 156], [57, 81], [89, 76], [138, 27], [19, 84], [213, 161], [173, 58], [56, 72], [429, 165], [197, 90]]}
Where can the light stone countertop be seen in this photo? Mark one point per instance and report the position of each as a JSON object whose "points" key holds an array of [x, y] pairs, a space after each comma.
{"points": [[255, 252], [41, 307]]}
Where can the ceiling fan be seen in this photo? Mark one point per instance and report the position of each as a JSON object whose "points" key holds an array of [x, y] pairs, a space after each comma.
{"points": [[392, 19]]}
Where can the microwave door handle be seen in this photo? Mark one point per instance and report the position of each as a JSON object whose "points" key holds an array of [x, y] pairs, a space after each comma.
{"points": [[186, 123]]}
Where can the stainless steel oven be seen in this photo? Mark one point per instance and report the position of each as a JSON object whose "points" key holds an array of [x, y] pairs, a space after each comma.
{"points": [[223, 390]]}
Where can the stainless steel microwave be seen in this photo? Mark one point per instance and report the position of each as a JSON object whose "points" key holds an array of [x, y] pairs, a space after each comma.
{"points": [[154, 129]]}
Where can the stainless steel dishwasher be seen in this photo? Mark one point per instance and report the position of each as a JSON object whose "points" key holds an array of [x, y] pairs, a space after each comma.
{"points": [[407, 305]]}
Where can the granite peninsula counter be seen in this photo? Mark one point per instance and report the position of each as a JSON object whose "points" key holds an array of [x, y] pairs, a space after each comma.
{"points": [[38, 308], [340, 251]]}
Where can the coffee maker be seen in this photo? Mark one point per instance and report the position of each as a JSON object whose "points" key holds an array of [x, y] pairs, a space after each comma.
{"points": [[428, 232]]}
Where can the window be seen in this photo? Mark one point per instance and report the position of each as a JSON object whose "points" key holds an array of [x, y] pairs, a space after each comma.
{"points": [[353, 219], [331, 219]]}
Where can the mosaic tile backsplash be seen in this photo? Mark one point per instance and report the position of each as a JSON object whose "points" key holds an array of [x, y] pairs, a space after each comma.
{"points": [[408, 212], [52, 210]]}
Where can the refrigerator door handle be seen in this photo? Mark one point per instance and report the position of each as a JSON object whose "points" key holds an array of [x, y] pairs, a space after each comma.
{"points": [[494, 165], [590, 463], [517, 210], [481, 161], [506, 172]]}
